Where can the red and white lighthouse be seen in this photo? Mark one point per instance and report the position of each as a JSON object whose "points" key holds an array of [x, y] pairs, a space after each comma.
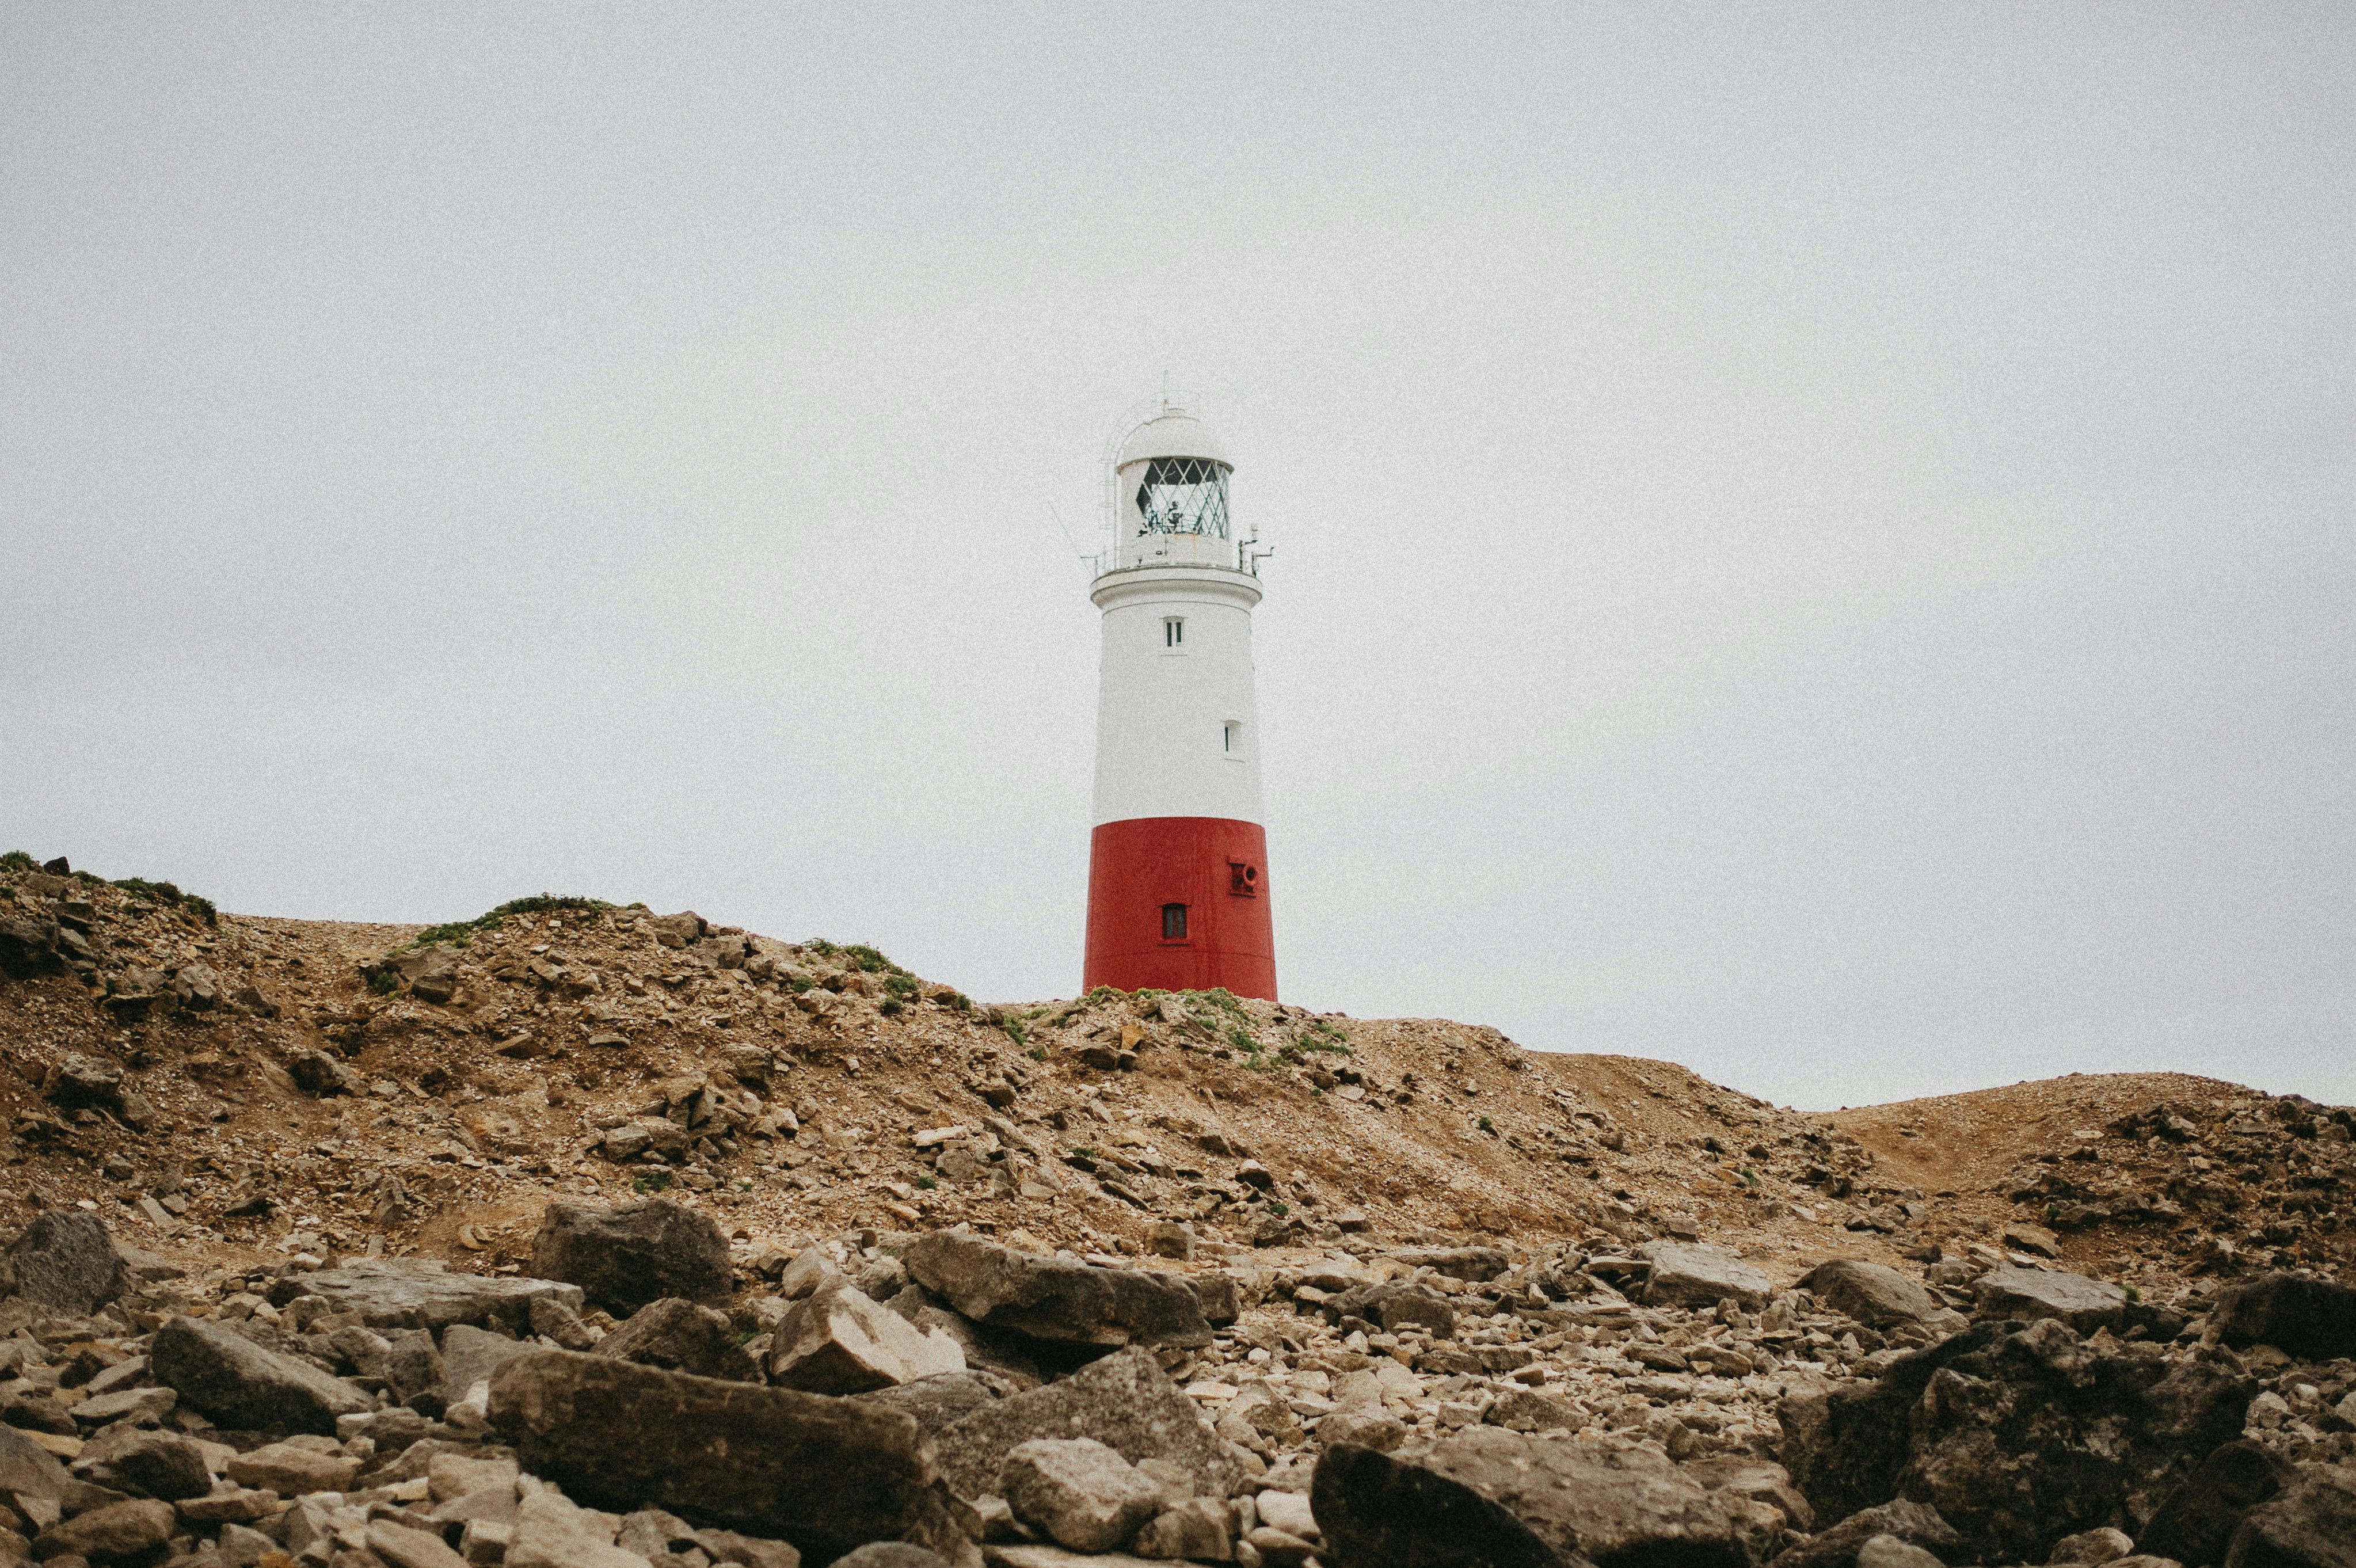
{"points": [[1178, 888]]}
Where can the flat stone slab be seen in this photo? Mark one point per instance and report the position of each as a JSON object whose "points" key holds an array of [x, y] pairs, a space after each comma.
{"points": [[240, 1384], [1876, 1294], [1491, 1495], [398, 1294], [2084, 1305], [1693, 1274], [823, 1473], [1049, 1298]]}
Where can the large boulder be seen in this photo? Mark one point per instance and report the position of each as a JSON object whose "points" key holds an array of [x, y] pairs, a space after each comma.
{"points": [[2084, 1305], [237, 1383], [1080, 1492], [684, 1337], [414, 1293], [628, 1256], [2313, 1319], [1124, 1401], [1049, 1298], [111, 1533], [1877, 1295], [838, 1341], [2311, 1525], [29, 1468], [1692, 1274], [1393, 1304], [2196, 1523], [160, 1465], [825, 1473], [64, 1262], [1488, 1496], [1911, 1524], [2019, 1434], [29, 947]]}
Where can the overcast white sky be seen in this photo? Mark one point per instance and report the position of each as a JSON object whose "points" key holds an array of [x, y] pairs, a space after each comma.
{"points": [[1813, 542]]}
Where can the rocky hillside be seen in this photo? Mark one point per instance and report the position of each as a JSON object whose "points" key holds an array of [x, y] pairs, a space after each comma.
{"points": [[715, 1181]]}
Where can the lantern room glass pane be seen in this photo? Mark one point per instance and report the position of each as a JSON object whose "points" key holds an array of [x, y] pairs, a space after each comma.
{"points": [[1183, 495]]}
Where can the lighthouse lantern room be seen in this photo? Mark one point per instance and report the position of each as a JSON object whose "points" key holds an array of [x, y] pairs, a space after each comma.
{"points": [[1178, 890]]}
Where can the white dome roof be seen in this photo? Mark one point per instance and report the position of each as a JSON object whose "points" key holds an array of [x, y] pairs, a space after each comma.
{"points": [[1172, 435]]}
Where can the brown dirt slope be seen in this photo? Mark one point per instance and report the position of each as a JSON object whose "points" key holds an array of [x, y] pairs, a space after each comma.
{"points": [[247, 1085]]}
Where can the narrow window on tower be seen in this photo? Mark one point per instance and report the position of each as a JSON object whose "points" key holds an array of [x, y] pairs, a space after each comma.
{"points": [[1173, 631], [1173, 922], [1231, 737]]}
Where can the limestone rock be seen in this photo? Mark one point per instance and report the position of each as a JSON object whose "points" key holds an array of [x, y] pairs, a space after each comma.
{"points": [[552, 1532], [162, 1465], [470, 1355], [1123, 1401], [399, 1293], [1366, 1429], [1527, 1410], [635, 1254], [836, 1341], [1877, 1295], [1049, 1298], [1687, 1274], [108, 1534], [402, 1547], [1198, 1528], [2084, 1305], [1890, 1551], [291, 1469], [2195, 1523], [824, 1474], [240, 1384], [2018, 1435], [29, 1468], [1491, 1495], [2313, 1319], [1913, 1524], [2311, 1525], [943, 1400], [1475, 1265], [2091, 1547], [1080, 1492], [65, 1262], [683, 1336], [1395, 1305]]}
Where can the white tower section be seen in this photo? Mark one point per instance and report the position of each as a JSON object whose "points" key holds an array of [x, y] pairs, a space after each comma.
{"points": [[1177, 725]]}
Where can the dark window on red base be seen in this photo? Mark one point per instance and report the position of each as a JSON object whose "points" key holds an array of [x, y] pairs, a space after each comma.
{"points": [[1173, 922]]}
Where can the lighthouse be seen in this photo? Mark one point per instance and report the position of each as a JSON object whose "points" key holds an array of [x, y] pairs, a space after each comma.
{"points": [[1178, 885]]}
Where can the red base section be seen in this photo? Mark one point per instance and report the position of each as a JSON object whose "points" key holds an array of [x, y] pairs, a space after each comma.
{"points": [[1215, 869]]}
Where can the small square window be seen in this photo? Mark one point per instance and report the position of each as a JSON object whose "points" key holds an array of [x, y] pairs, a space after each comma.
{"points": [[1173, 922]]}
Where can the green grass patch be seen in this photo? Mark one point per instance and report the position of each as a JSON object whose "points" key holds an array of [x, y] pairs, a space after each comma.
{"points": [[854, 955], [653, 1181], [18, 860], [462, 934]]}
